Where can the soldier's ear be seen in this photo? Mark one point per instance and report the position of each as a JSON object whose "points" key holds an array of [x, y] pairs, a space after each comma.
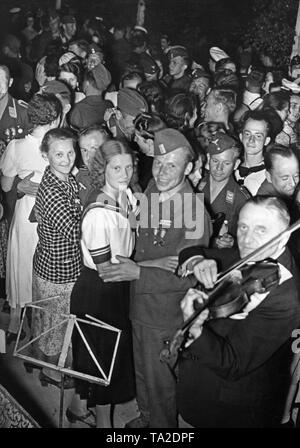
{"points": [[268, 139], [188, 168], [237, 162]]}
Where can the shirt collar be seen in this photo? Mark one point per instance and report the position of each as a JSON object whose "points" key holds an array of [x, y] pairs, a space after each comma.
{"points": [[165, 195]]}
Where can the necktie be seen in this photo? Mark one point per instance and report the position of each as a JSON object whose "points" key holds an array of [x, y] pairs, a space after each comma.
{"points": [[245, 171]]}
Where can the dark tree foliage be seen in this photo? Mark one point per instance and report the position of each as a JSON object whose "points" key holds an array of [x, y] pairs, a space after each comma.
{"points": [[272, 29]]}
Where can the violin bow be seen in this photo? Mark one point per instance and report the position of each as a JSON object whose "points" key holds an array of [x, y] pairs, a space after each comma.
{"points": [[238, 265], [170, 354]]}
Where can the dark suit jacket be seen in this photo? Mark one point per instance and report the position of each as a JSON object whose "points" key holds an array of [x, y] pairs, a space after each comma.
{"points": [[237, 372]]}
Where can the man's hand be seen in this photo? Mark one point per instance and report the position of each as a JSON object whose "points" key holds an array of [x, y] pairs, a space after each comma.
{"points": [[126, 270], [168, 263], [26, 186], [206, 273], [188, 308], [225, 241]]}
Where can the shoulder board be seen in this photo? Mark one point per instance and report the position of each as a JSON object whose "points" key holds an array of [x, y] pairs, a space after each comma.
{"points": [[201, 185], [244, 191], [229, 197], [22, 103]]}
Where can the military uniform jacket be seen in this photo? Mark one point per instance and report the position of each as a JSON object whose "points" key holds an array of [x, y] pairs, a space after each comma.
{"points": [[14, 122], [180, 84], [156, 296], [237, 372], [229, 201]]}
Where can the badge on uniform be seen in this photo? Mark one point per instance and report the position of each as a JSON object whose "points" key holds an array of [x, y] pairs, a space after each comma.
{"points": [[229, 197], [160, 232], [162, 148], [12, 112]]}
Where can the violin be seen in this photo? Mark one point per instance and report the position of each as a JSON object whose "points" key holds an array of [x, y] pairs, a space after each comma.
{"points": [[226, 299], [232, 292]]}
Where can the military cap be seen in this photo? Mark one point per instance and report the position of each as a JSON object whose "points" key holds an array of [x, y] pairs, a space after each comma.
{"points": [[140, 28], [217, 54], [131, 102], [15, 10], [102, 76], [66, 58], [68, 18], [167, 140], [291, 86], [56, 87], [221, 143]]}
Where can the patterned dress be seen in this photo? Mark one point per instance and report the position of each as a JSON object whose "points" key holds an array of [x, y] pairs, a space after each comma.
{"points": [[57, 262]]}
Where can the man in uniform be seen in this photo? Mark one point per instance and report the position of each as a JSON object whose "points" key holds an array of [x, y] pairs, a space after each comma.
{"points": [[156, 293], [222, 194], [177, 79], [14, 124], [69, 28], [235, 371]]}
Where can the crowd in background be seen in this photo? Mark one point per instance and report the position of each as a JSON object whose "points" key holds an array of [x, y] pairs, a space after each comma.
{"points": [[104, 99]]}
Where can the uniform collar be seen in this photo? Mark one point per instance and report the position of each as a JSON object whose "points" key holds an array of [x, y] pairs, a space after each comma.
{"points": [[166, 195]]}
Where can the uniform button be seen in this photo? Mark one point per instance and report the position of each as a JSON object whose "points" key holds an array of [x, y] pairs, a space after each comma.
{"points": [[146, 234], [142, 251]]}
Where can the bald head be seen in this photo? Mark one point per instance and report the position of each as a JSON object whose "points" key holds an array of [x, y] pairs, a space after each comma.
{"points": [[89, 143]]}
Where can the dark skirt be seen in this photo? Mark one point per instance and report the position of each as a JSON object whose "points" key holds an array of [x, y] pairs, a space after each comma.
{"points": [[108, 302]]}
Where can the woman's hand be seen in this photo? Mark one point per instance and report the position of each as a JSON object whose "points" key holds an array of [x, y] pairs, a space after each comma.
{"points": [[169, 263]]}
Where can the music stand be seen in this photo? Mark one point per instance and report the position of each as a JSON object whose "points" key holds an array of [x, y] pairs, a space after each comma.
{"points": [[72, 322]]}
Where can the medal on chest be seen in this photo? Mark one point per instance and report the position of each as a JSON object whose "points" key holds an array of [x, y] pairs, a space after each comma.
{"points": [[159, 233]]}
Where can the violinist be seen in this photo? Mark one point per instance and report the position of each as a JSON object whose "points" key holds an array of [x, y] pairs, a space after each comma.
{"points": [[234, 372]]}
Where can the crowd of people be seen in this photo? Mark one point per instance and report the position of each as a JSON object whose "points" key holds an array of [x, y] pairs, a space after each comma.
{"points": [[131, 175]]}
